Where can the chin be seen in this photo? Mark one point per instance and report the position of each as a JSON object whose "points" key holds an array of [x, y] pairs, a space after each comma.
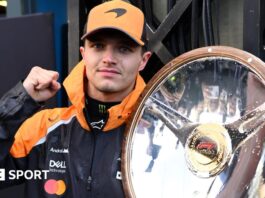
{"points": [[107, 89]]}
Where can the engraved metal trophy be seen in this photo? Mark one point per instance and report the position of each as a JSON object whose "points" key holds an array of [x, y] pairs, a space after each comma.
{"points": [[198, 129]]}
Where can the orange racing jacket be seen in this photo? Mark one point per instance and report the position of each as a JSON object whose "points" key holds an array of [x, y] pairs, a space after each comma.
{"points": [[72, 160]]}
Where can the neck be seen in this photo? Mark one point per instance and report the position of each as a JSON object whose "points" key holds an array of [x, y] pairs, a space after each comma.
{"points": [[107, 97], [98, 107]]}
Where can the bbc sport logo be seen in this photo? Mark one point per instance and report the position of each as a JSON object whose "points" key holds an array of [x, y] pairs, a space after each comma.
{"points": [[51, 186], [2, 175], [26, 174]]}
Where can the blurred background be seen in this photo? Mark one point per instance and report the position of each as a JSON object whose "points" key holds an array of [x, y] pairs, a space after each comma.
{"points": [[47, 33]]}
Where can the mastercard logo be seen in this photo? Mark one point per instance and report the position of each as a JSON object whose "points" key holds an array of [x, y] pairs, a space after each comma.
{"points": [[53, 186]]}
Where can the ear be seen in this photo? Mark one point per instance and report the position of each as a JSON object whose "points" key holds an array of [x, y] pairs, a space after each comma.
{"points": [[82, 51], [145, 58]]}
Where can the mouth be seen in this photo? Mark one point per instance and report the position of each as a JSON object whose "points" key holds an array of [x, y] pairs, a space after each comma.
{"points": [[109, 72]]}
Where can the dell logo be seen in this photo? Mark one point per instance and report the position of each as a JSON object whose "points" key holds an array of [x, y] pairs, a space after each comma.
{"points": [[57, 164]]}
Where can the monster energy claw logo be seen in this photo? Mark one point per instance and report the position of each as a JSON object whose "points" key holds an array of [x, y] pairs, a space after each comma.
{"points": [[101, 108]]}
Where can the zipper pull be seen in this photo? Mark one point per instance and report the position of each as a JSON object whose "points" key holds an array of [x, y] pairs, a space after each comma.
{"points": [[89, 182]]}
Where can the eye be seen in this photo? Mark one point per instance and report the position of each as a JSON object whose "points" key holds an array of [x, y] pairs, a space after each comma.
{"points": [[125, 49], [97, 46]]}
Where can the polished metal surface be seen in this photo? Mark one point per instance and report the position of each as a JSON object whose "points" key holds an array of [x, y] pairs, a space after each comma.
{"points": [[198, 131]]}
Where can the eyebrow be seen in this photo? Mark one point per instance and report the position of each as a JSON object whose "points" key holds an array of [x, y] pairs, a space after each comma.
{"points": [[125, 41]]}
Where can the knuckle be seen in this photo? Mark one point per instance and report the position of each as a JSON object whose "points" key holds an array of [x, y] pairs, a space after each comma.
{"points": [[35, 68]]}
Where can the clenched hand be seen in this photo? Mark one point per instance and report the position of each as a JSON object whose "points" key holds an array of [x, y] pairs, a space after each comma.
{"points": [[41, 84]]}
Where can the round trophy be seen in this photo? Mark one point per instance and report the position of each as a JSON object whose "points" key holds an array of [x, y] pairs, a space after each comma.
{"points": [[198, 128]]}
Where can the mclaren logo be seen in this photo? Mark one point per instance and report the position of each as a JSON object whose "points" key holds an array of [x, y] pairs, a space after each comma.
{"points": [[118, 11]]}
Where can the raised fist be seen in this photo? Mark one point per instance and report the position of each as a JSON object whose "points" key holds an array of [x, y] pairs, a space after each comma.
{"points": [[41, 84]]}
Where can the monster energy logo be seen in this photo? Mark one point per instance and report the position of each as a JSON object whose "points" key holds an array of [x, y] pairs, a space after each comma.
{"points": [[102, 108]]}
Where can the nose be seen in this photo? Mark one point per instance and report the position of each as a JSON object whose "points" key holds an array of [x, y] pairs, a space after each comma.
{"points": [[109, 56]]}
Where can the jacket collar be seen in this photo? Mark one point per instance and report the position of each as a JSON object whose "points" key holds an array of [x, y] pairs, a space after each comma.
{"points": [[118, 114]]}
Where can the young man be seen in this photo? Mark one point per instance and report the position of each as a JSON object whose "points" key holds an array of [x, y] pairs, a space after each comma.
{"points": [[76, 150]]}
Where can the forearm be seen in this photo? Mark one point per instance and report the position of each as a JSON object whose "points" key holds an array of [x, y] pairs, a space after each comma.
{"points": [[15, 106]]}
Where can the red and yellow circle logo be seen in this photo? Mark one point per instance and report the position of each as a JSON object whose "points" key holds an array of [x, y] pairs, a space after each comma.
{"points": [[53, 186]]}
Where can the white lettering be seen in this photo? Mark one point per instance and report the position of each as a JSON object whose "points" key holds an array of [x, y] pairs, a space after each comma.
{"points": [[12, 174], [45, 172], [28, 174], [57, 164], [64, 150], [19, 173], [37, 174]]}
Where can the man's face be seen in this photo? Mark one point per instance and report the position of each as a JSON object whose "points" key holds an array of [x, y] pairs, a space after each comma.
{"points": [[112, 63]]}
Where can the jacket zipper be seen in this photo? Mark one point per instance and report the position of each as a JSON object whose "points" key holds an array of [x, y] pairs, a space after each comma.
{"points": [[90, 176]]}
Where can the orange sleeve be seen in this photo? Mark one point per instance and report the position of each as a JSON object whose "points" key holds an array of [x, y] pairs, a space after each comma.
{"points": [[35, 128]]}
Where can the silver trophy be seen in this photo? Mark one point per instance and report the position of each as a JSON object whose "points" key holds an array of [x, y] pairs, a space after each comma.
{"points": [[198, 129]]}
